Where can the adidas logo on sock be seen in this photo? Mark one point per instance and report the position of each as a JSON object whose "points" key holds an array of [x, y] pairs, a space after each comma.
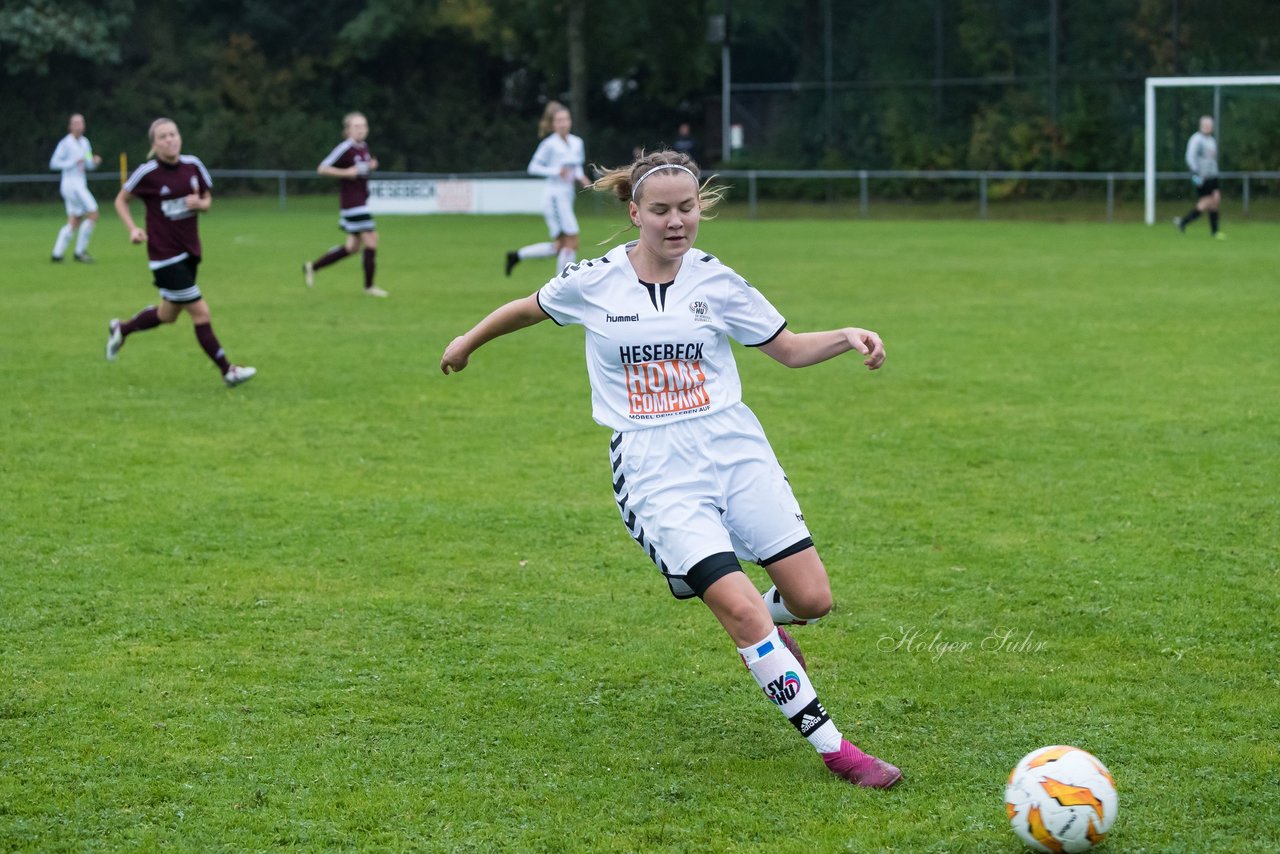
{"points": [[808, 723]]}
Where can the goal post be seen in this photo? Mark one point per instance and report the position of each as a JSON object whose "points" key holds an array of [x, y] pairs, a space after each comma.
{"points": [[1149, 134]]}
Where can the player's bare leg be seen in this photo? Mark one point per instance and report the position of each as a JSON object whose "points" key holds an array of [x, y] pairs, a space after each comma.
{"points": [[802, 588]]}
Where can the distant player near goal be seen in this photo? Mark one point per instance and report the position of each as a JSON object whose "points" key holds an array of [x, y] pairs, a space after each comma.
{"points": [[1202, 160], [72, 157], [174, 187], [559, 159], [695, 480], [350, 162]]}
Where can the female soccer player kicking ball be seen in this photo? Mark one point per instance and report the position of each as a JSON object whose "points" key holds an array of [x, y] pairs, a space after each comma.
{"points": [[694, 477]]}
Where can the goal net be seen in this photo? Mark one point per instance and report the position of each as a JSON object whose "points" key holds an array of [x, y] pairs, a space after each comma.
{"points": [[1245, 127]]}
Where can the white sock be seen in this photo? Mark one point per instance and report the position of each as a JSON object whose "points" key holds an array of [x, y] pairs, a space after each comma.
{"points": [[537, 250], [64, 237], [565, 258], [778, 609], [786, 684], [82, 239]]}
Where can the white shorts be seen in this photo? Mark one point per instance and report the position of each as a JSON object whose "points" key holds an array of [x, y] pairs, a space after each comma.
{"points": [[557, 209], [80, 202], [701, 487]]}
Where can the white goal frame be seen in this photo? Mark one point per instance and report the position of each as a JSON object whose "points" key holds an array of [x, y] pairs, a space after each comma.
{"points": [[1149, 135]]}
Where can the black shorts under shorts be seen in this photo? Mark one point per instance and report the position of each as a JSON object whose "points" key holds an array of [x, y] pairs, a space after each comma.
{"points": [[1207, 187], [177, 282]]}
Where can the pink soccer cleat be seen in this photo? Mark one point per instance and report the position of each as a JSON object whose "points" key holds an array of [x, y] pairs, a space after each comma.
{"points": [[790, 643], [861, 769]]}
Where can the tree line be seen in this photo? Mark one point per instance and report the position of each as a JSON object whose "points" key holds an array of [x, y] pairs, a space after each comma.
{"points": [[458, 85]]}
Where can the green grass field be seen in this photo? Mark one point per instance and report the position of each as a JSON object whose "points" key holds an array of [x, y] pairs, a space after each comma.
{"points": [[355, 604]]}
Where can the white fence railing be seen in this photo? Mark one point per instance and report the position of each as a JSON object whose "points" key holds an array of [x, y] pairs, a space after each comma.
{"points": [[752, 177], [864, 177]]}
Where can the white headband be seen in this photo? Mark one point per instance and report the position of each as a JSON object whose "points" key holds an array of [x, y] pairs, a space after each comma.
{"points": [[684, 169]]}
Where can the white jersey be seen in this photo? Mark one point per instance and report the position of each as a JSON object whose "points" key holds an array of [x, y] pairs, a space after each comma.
{"points": [[72, 157], [660, 353], [553, 155]]}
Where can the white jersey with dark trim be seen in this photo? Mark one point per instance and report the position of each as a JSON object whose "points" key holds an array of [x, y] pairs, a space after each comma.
{"points": [[660, 353]]}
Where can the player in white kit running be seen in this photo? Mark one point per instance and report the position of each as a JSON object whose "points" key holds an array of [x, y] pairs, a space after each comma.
{"points": [[559, 158], [694, 477], [72, 157]]}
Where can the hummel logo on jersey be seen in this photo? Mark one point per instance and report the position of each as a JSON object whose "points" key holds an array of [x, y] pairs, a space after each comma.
{"points": [[164, 191], [621, 318]]}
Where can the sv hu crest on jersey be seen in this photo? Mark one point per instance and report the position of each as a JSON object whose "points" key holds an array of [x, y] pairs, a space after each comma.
{"points": [[700, 310]]}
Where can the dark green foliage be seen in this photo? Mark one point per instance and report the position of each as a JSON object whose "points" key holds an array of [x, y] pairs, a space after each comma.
{"points": [[458, 85]]}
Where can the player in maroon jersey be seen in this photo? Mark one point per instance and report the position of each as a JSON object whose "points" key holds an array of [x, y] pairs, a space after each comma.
{"points": [[174, 187], [350, 162]]}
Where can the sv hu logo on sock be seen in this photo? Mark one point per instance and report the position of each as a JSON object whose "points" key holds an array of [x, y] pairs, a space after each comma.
{"points": [[783, 689]]}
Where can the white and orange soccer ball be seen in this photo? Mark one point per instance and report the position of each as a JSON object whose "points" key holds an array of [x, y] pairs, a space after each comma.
{"points": [[1060, 799]]}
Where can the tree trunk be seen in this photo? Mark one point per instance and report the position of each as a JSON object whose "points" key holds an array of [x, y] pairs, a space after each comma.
{"points": [[578, 64]]}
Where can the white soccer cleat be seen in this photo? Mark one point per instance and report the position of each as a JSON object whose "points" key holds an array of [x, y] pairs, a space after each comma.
{"points": [[238, 374], [376, 291], [115, 339], [309, 274]]}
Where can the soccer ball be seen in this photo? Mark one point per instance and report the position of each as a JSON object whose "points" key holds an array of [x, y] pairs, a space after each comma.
{"points": [[1060, 799]]}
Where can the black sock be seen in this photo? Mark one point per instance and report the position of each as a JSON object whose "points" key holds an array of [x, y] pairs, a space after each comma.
{"points": [[337, 253], [1191, 217], [370, 266], [1213, 222], [209, 343], [148, 318]]}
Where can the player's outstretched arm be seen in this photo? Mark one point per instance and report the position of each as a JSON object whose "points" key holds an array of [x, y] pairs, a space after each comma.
{"points": [[516, 314], [799, 350]]}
